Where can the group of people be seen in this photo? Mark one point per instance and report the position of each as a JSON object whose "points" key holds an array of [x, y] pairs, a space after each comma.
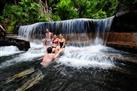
{"points": [[54, 46]]}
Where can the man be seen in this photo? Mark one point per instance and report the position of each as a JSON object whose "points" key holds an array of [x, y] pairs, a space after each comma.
{"points": [[48, 38], [50, 56], [48, 34]]}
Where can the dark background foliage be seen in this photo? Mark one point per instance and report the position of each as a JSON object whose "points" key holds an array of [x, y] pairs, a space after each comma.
{"points": [[20, 12]]}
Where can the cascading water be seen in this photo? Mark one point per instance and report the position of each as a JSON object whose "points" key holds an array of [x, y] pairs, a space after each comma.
{"points": [[77, 30], [89, 56], [102, 30], [4, 51], [36, 51], [89, 68], [73, 28], [27, 32]]}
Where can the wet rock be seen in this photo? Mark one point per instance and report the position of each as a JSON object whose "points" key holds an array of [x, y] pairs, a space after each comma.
{"points": [[125, 19], [124, 27], [21, 74], [13, 40], [126, 41], [34, 79]]}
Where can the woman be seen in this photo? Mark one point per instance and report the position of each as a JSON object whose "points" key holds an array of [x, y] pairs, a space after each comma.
{"points": [[62, 41], [55, 40], [48, 38], [55, 43]]}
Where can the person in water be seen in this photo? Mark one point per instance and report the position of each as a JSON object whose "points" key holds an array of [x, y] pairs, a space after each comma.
{"points": [[55, 50], [58, 43], [48, 38], [62, 41], [50, 56], [48, 34], [55, 40], [55, 44]]}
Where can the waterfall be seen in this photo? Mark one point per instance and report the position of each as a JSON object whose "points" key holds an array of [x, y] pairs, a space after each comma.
{"points": [[102, 30], [28, 31], [75, 30]]}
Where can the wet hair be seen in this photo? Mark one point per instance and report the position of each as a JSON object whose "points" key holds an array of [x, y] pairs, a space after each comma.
{"points": [[49, 50]]}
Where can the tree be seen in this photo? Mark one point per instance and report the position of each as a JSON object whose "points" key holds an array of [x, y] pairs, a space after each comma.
{"points": [[25, 12], [66, 10]]}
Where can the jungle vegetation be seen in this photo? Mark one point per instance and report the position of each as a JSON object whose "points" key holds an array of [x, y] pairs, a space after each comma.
{"points": [[20, 12]]}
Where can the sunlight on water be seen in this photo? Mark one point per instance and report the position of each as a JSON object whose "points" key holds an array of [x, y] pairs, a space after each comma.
{"points": [[8, 50], [91, 56]]}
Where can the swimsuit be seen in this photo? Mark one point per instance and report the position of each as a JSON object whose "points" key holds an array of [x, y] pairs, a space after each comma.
{"points": [[61, 45], [48, 42], [55, 41]]}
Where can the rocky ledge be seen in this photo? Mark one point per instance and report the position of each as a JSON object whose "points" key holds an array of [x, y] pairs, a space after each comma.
{"points": [[13, 40], [126, 41], [123, 33]]}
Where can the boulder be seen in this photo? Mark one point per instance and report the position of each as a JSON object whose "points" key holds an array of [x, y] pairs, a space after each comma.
{"points": [[14, 41], [123, 33]]}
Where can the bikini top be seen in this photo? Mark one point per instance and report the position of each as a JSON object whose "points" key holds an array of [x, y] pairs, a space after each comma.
{"points": [[55, 41]]}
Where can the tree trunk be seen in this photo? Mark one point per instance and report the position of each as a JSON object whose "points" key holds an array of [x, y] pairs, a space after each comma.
{"points": [[46, 5]]}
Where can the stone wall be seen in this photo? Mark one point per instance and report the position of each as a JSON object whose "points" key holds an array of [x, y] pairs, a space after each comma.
{"points": [[123, 33], [126, 41]]}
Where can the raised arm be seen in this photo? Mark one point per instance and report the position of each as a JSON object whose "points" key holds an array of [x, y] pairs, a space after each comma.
{"points": [[58, 53], [64, 43]]}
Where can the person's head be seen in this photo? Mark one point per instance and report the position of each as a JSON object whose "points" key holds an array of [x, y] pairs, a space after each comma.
{"points": [[60, 36], [47, 30], [49, 50]]}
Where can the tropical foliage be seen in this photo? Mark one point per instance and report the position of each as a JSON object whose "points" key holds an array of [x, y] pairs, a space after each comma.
{"points": [[67, 9], [25, 12], [31, 11]]}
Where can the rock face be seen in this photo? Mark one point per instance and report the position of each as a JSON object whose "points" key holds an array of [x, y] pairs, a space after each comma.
{"points": [[123, 33], [12, 40], [125, 18], [126, 41], [8, 40], [127, 5]]}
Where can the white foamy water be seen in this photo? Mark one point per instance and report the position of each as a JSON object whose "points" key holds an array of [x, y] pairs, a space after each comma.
{"points": [[8, 50], [36, 51], [91, 56]]}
